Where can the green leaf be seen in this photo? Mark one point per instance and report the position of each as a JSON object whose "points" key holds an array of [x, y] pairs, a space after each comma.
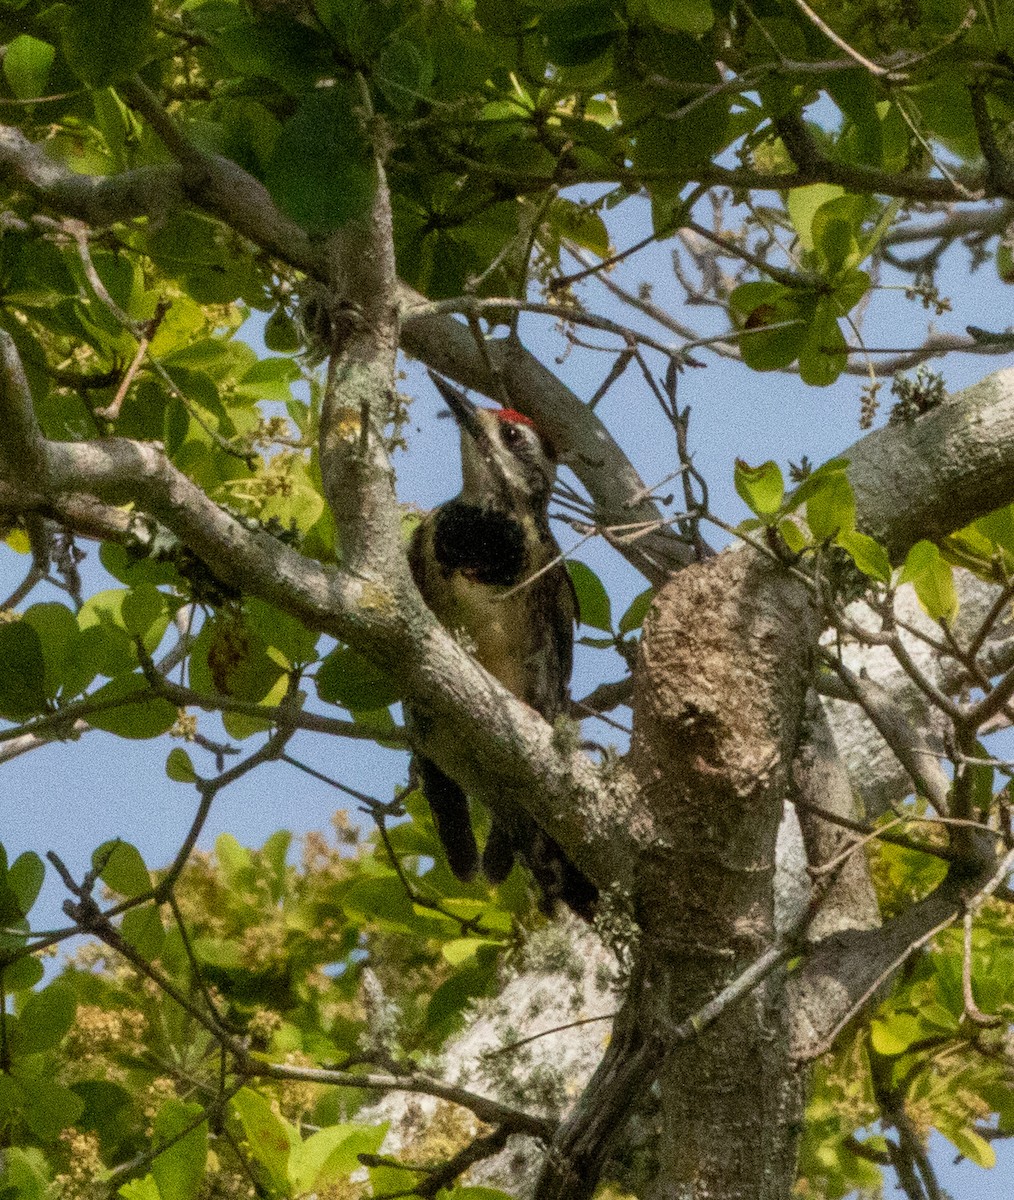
{"points": [[12, 1098], [271, 1137], [44, 1019], [581, 224], [179, 1168], [50, 1109], [142, 928], [381, 899], [792, 535], [139, 719], [107, 1105], [345, 677], [893, 1035], [178, 766], [998, 527], [868, 555], [451, 999], [107, 40], [823, 355], [140, 1189], [236, 861], [275, 48], [761, 488], [831, 506], [802, 205], [26, 65], [22, 672], [404, 73], [816, 480], [633, 618], [145, 614], [58, 632], [837, 233], [26, 1172], [850, 289], [281, 333], [576, 32], [682, 16], [971, 1145], [462, 950], [332, 1154], [598, 643], [932, 579], [230, 657], [269, 379], [592, 597], [23, 974], [109, 621], [121, 866], [25, 879], [282, 631], [775, 324], [321, 172]]}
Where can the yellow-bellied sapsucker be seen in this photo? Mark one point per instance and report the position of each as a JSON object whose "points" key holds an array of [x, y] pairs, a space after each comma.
{"points": [[480, 563]]}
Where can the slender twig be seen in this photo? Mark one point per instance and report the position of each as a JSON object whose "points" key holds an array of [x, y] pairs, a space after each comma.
{"points": [[972, 1011], [486, 1109], [277, 715], [209, 789], [512, 1046], [906, 743]]}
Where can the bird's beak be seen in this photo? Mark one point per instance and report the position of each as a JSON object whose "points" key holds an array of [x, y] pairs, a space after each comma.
{"points": [[462, 409]]}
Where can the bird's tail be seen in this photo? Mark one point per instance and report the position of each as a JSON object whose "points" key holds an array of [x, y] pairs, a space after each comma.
{"points": [[449, 806], [555, 876]]}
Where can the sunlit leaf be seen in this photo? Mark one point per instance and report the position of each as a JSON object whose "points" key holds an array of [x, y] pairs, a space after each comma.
{"points": [[592, 597], [121, 866], [868, 555], [270, 1136], [932, 579], [178, 1169], [760, 488], [178, 766], [26, 65]]}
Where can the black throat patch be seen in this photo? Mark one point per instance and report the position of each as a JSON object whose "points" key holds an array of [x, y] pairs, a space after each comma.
{"points": [[483, 543]]}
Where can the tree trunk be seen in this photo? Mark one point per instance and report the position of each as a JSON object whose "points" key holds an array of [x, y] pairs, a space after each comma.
{"points": [[719, 698]]}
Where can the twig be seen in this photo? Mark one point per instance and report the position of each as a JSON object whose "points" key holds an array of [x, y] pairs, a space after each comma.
{"points": [[512, 1046], [490, 1111], [972, 1011], [906, 743], [442, 1176]]}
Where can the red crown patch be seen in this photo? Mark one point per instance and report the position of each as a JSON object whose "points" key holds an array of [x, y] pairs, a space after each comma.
{"points": [[512, 414]]}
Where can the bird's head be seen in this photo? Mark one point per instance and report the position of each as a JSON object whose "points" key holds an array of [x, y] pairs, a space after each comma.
{"points": [[505, 461]]}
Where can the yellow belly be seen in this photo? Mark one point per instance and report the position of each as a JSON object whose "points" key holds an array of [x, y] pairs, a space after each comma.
{"points": [[498, 628]]}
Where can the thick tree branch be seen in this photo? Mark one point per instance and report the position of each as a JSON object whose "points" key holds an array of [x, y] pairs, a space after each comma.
{"points": [[948, 466], [490, 740], [447, 345], [846, 971]]}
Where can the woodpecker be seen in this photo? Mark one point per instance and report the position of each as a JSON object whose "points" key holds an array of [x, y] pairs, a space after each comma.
{"points": [[482, 563]]}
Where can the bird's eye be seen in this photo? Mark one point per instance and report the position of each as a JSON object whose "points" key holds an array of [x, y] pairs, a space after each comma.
{"points": [[512, 435]]}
